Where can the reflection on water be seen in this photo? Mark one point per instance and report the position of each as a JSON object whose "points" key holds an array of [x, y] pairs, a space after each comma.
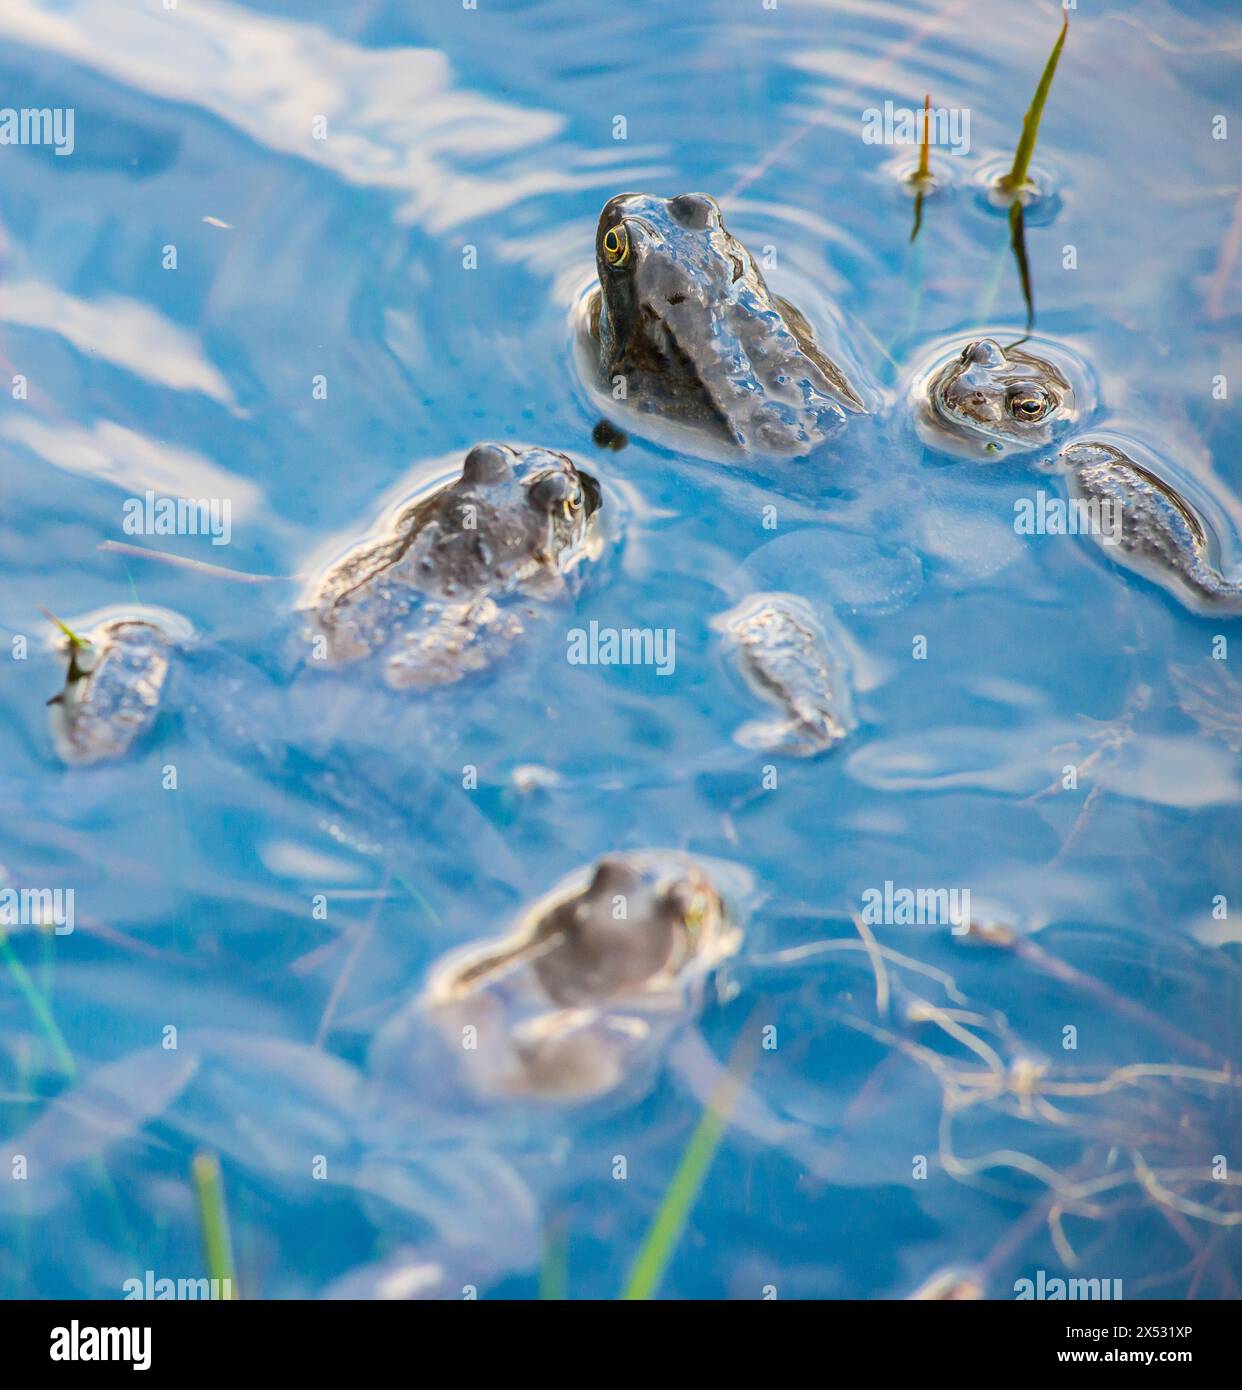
{"points": [[303, 265]]}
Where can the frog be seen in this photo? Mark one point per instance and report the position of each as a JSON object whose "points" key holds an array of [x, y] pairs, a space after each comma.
{"points": [[446, 589], [786, 657], [709, 358], [439, 596], [988, 402], [113, 690], [1148, 527], [586, 986]]}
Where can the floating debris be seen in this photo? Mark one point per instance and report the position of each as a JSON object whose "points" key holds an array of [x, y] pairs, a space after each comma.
{"points": [[1212, 697], [607, 436]]}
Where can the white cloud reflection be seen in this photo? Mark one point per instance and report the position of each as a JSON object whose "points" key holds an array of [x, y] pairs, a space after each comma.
{"points": [[394, 117], [122, 331], [116, 454]]}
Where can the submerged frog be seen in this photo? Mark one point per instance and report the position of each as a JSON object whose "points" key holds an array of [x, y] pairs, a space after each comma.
{"points": [[437, 594], [786, 657], [441, 595], [683, 317], [989, 401], [1145, 524], [112, 690], [593, 978]]}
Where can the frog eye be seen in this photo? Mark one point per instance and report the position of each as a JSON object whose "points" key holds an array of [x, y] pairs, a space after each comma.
{"points": [[617, 246], [1029, 404], [696, 913]]}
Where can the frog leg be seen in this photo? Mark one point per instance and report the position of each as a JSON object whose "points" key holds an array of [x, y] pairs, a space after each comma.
{"points": [[796, 322], [459, 641]]}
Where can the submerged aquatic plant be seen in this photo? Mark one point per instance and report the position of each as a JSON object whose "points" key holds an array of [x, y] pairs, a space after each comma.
{"points": [[683, 1190], [1098, 1143], [217, 1241]]}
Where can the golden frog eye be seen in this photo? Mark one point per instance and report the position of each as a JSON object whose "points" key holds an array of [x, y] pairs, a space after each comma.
{"points": [[1029, 405], [616, 245], [697, 912]]}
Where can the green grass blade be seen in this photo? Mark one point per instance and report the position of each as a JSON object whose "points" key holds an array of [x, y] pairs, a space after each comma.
{"points": [[661, 1240], [665, 1231], [924, 170], [209, 1188], [1015, 179], [74, 639], [554, 1266], [39, 1007], [922, 175]]}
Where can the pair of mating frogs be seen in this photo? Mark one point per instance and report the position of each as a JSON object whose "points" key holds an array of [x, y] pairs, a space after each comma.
{"points": [[716, 365]]}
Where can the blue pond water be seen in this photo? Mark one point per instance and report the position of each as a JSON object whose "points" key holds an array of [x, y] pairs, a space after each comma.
{"points": [[343, 258]]}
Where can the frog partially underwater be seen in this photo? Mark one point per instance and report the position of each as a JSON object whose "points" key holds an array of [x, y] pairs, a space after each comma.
{"points": [[441, 595], [589, 983], [112, 690], [785, 656], [1145, 524], [707, 356], [988, 402]]}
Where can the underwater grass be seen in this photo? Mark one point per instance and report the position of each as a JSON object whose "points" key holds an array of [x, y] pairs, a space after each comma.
{"points": [[1017, 241], [554, 1262], [661, 1240], [1015, 180], [39, 1007], [666, 1228], [217, 1241]]}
